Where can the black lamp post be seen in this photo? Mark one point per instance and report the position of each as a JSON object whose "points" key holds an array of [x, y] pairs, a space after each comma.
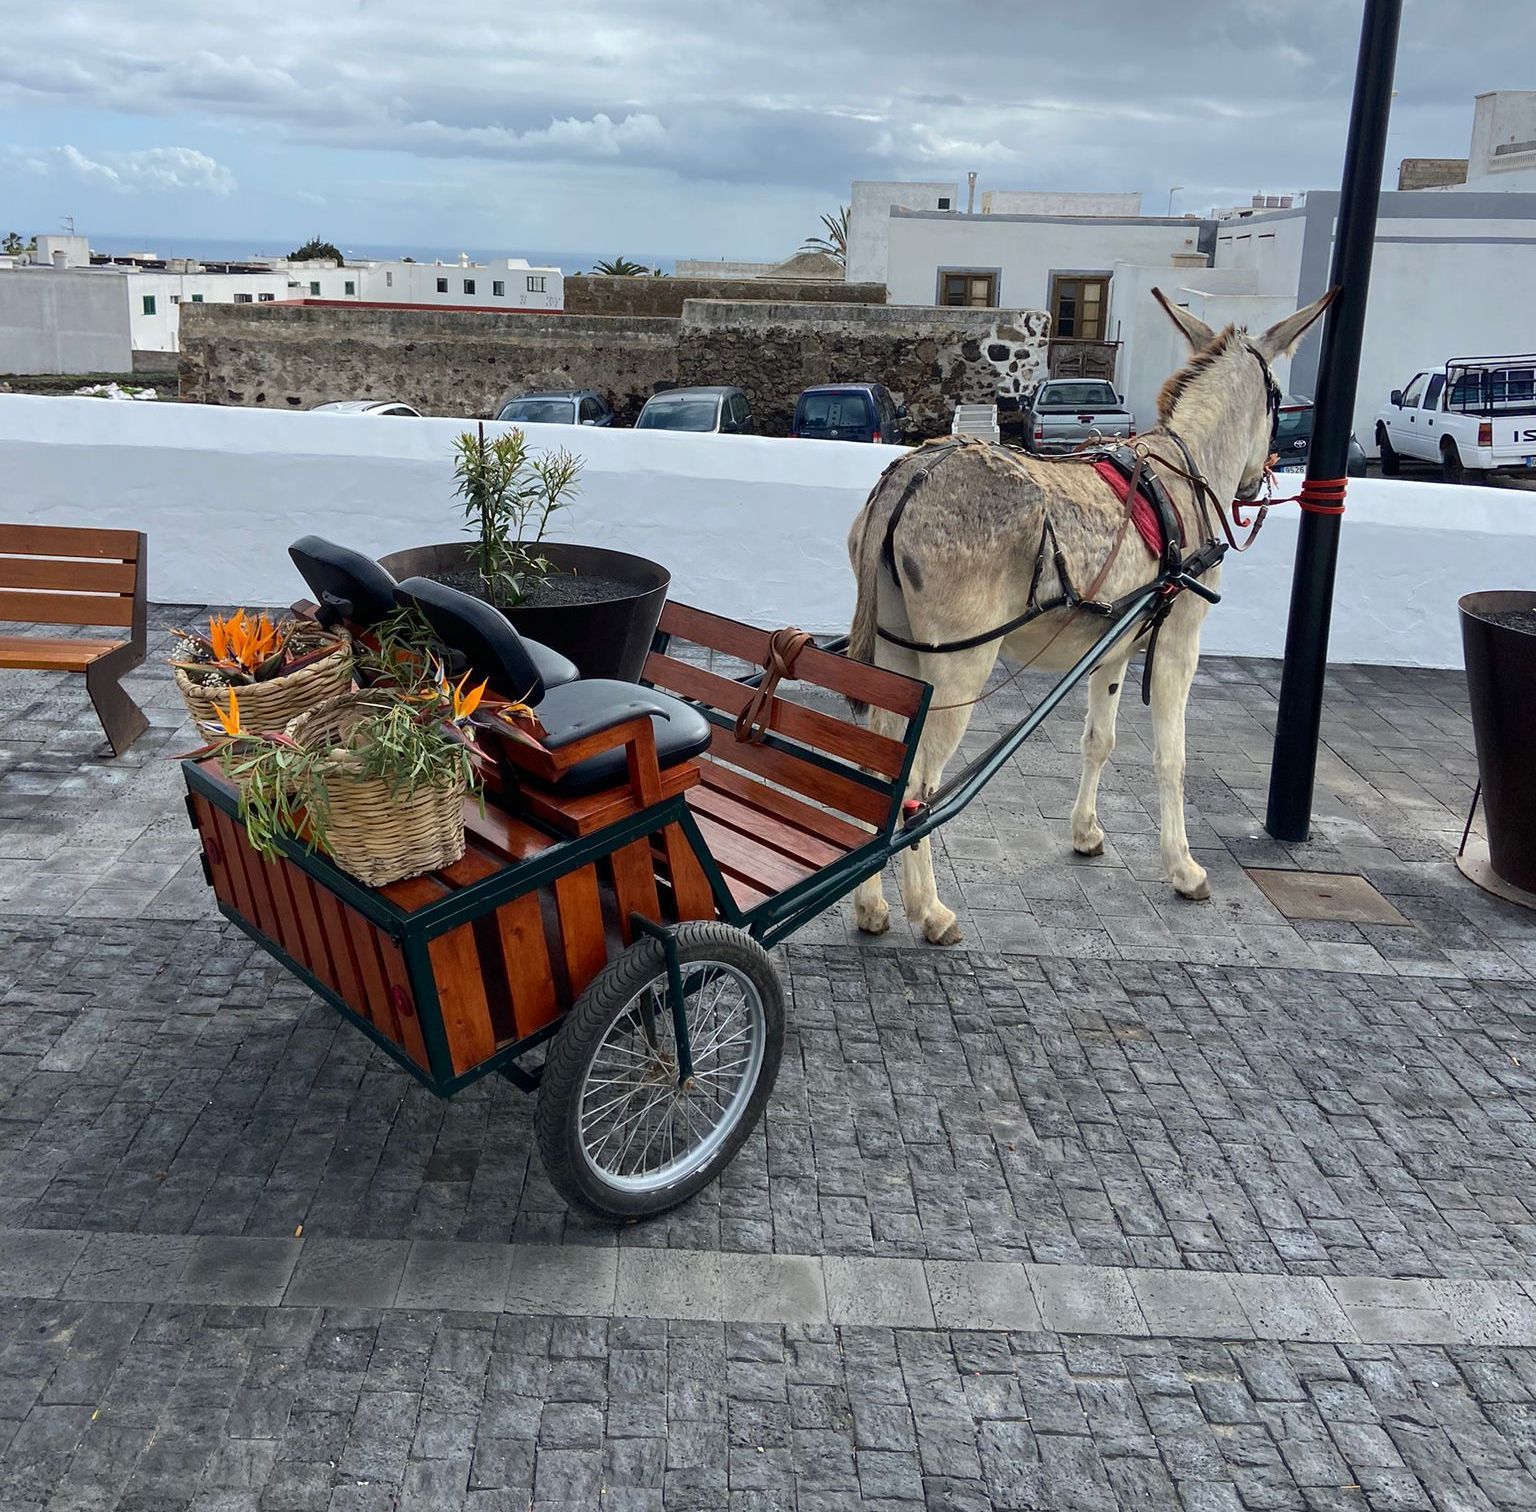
{"points": [[1299, 723]]}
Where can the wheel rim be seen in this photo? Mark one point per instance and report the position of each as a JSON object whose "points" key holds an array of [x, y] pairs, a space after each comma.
{"points": [[639, 1131]]}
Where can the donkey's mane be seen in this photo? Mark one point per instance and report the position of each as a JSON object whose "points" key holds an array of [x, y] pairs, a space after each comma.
{"points": [[1169, 394]]}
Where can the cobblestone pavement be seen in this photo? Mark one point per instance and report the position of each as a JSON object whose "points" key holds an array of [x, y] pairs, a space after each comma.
{"points": [[1124, 1204]]}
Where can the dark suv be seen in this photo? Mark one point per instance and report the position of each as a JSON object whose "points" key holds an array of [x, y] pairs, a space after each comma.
{"points": [[1293, 438], [849, 412], [558, 407]]}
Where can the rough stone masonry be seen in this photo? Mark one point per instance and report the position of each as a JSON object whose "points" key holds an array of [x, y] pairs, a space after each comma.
{"points": [[464, 362]]}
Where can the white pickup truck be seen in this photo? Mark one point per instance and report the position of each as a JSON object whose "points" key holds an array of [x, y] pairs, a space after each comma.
{"points": [[1474, 415]]}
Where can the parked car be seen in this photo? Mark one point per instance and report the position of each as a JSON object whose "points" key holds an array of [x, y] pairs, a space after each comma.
{"points": [[1293, 439], [364, 407], [849, 412], [1472, 416], [722, 409], [1066, 413], [558, 407]]}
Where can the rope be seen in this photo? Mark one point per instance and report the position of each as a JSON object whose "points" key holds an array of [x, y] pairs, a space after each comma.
{"points": [[1322, 496], [784, 648]]}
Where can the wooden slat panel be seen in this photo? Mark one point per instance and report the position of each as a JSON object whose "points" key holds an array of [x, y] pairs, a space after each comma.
{"points": [[307, 906], [290, 934], [692, 895], [837, 737], [874, 685], [213, 851], [837, 792], [72, 576], [502, 833], [592, 811], [461, 996], [44, 654], [794, 843], [338, 942], [530, 976], [581, 926], [376, 1005], [739, 855], [634, 885], [258, 897], [747, 897], [65, 608], [407, 1020], [832, 828], [69, 540]]}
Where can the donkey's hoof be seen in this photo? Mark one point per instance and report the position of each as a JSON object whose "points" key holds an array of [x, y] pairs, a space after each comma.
{"points": [[1195, 889], [873, 919], [1090, 846], [942, 928]]}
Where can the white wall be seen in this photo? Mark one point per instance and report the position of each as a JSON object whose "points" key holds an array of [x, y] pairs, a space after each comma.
{"points": [[869, 214], [749, 527], [57, 321], [1025, 251], [1058, 202], [161, 330]]}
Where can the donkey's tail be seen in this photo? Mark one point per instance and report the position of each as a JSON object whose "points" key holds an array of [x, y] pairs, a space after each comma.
{"points": [[864, 550]]}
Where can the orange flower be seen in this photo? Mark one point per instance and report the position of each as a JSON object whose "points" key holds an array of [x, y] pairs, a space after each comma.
{"points": [[465, 704], [230, 718]]}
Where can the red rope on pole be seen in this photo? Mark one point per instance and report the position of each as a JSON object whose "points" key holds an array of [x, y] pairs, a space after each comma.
{"points": [[1324, 496]]}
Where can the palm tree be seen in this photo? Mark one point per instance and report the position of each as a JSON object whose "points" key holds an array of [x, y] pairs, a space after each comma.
{"points": [[620, 267], [835, 243]]}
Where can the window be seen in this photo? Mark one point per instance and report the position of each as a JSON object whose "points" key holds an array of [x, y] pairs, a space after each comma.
{"points": [[197, 299], [149, 304], [1079, 306], [498, 287], [349, 287], [1412, 392], [1432, 393], [536, 283], [314, 289], [961, 287], [442, 286], [944, 202], [243, 299], [591, 412], [175, 299], [266, 298], [469, 286], [389, 279]]}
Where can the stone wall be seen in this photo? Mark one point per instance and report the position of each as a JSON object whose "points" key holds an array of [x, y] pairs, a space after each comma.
{"points": [[454, 363], [596, 294], [931, 358], [462, 363]]}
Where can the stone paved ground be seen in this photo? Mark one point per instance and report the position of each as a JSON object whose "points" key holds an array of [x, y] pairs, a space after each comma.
{"points": [[1123, 1092]]}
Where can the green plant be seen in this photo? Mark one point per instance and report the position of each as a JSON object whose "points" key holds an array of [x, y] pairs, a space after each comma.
{"points": [[621, 267], [510, 494], [315, 249], [14, 246], [835, 243]]}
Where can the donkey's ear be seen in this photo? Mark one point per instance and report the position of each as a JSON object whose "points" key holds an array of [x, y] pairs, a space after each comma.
{"points": [[1281, 338], [1196, 332]]}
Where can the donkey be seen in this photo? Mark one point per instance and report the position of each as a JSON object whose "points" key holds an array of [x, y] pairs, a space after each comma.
{"points": [[988, 533]]}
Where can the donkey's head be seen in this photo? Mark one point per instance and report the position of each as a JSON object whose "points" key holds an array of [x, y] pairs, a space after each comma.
{"points": [[1246, 391]]}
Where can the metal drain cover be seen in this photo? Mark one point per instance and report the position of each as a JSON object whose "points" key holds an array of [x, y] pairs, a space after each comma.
{"points": [[1336, 896]]}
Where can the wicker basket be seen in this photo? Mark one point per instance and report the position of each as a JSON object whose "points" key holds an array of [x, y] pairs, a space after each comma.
{"points": [[376, 835], [275, 704]]}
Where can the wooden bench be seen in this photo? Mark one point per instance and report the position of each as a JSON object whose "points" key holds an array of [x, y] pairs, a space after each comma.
{"points": [[64, 575]]}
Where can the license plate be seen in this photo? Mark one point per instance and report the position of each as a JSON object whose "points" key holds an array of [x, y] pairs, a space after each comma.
{"points": [[1292, 467]]}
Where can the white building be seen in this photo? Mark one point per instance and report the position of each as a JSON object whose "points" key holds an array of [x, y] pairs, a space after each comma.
{"points": [[510, 283]]}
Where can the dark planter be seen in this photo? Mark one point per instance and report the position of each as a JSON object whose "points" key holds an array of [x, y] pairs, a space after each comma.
{"points": [[1498, 636], [606, 637]]}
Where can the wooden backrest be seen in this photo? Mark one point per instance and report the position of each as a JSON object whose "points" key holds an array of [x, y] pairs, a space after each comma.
{"points": [[839, 765], [67, 575]]}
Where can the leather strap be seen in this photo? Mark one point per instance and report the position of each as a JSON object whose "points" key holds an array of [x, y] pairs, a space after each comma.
{"points": [[784, 648]]}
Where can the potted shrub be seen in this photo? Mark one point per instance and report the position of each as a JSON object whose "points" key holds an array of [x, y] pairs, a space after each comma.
{"points": [[376, 778], [597, 607], [280, 669], [1498, 637]]}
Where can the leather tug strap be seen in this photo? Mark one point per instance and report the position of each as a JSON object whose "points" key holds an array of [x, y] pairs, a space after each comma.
{"points": [[784, 648]]}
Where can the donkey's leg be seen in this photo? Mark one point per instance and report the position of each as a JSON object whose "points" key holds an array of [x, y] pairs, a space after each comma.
{"points": [[870, 910], [957, 678], [1173, 670], [1104, 685]]}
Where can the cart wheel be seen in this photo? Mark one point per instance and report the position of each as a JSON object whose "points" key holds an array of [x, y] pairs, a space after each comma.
{"points": [[618, 1134]]}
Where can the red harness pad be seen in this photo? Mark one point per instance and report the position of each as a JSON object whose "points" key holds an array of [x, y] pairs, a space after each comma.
{"points": [[1143, 515]]}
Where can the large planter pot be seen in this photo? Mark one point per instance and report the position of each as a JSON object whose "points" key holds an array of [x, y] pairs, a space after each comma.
{"points": [[605, 637], [1498, 637]]}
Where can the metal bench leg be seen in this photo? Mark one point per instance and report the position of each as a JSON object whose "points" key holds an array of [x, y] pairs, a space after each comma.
{"points": [[122, 719]]}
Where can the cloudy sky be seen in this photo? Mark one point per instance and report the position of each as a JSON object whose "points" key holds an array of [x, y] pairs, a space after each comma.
{"points": [[698, 128]]}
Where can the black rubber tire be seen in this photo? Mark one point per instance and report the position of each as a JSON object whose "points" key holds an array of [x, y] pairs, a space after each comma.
{"points": [[1390, 465], [557, 1114], [1450, 463]]}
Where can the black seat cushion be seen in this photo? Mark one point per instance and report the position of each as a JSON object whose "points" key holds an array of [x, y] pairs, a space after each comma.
{"points": [[346, 584], [576, 709], [480, 631]]}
